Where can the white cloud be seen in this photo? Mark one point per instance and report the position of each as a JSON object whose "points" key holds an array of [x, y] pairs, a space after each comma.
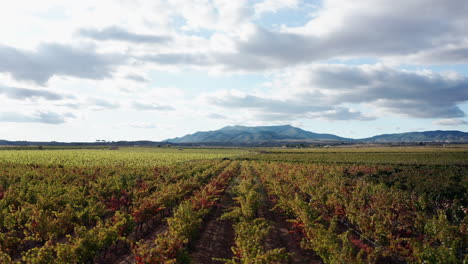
{"points": [[448, 54], [63, 55], [136, 77], [151, 107], [341, 29], [351, 29], [272, 6], [219, 15], [26, 93], [450, 122], [119, 34], [99, 104], [37, 117], [138, 125], [326, 91], [216, 116], [57, 60]]}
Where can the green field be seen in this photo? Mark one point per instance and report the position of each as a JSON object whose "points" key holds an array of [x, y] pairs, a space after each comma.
{"points": [[127, 157], [165, 205]]}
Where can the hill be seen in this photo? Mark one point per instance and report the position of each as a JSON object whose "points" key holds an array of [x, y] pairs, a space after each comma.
{"points": [[265, 136], [244, 134], [426, 136]]}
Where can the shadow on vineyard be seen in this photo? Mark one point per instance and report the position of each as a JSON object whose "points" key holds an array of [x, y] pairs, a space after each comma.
{"points": [[233, 206]]}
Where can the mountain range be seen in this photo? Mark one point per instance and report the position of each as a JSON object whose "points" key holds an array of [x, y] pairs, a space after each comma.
{"points": [[426, 136], [244, 134], [264, 136]]}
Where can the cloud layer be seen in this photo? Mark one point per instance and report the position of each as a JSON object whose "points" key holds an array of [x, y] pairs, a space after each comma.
{"points": [[450, 122], [151, 107], [57, 60], [342, 29], [39, 117], [183, 63], [25, 93], [120, 34], [324, 91]]}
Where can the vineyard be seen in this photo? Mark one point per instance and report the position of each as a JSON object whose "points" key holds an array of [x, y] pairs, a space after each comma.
{"points": [[234, 206]]}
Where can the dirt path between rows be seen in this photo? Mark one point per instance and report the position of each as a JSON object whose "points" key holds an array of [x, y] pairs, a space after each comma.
{"points": [[216, 236], [129, 258], [280, 237]]}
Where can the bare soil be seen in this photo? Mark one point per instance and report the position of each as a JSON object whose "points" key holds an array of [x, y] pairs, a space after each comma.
{"points": [[121, 251], [216, 236], [149, 240], [281, 237]]}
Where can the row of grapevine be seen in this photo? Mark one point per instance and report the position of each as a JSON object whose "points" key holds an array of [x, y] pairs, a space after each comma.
{"points": [[169, 247], [250, 230], [347, 207], [351, 220], [71, 214], [454, 158]]}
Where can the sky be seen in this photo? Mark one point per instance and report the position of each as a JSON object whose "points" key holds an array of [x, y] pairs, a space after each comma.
{"points": [[157, 69]]}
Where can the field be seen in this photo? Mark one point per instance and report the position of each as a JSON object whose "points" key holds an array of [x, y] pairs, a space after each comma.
{"points": [[238, 206]]}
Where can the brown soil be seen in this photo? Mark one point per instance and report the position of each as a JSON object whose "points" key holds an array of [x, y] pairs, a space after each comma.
{"points": [[121, 251], [280, 237], [149, 240], [216, 237]]}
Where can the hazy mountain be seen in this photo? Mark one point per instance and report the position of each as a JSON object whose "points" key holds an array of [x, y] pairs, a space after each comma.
{"points": [[243, 134], [270, 135], [427, 136]]}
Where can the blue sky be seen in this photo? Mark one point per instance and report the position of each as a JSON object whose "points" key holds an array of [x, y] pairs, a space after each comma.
{"points": [[156, 69]]}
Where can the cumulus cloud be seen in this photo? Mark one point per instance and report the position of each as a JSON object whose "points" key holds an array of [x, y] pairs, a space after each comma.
{"points": [[136, 78], [424, 94], [57, 60], [449, 54], [183, 59], [271, 109], [225, 36], [326, 91], [339, 29], [272, 6], [345, 29], [92, 103], [25, 93], [264, 50], [265, 104], [216, 116], [39, 117], [101, 104], [220, 15], [74, 106], [151, 107], [450, 122], [379, 28], [119, 34], [342, 113]]}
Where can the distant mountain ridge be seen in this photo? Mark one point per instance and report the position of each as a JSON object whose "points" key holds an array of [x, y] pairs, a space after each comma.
{"points": [[244, 134], [265, 136], [426, 136]]}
